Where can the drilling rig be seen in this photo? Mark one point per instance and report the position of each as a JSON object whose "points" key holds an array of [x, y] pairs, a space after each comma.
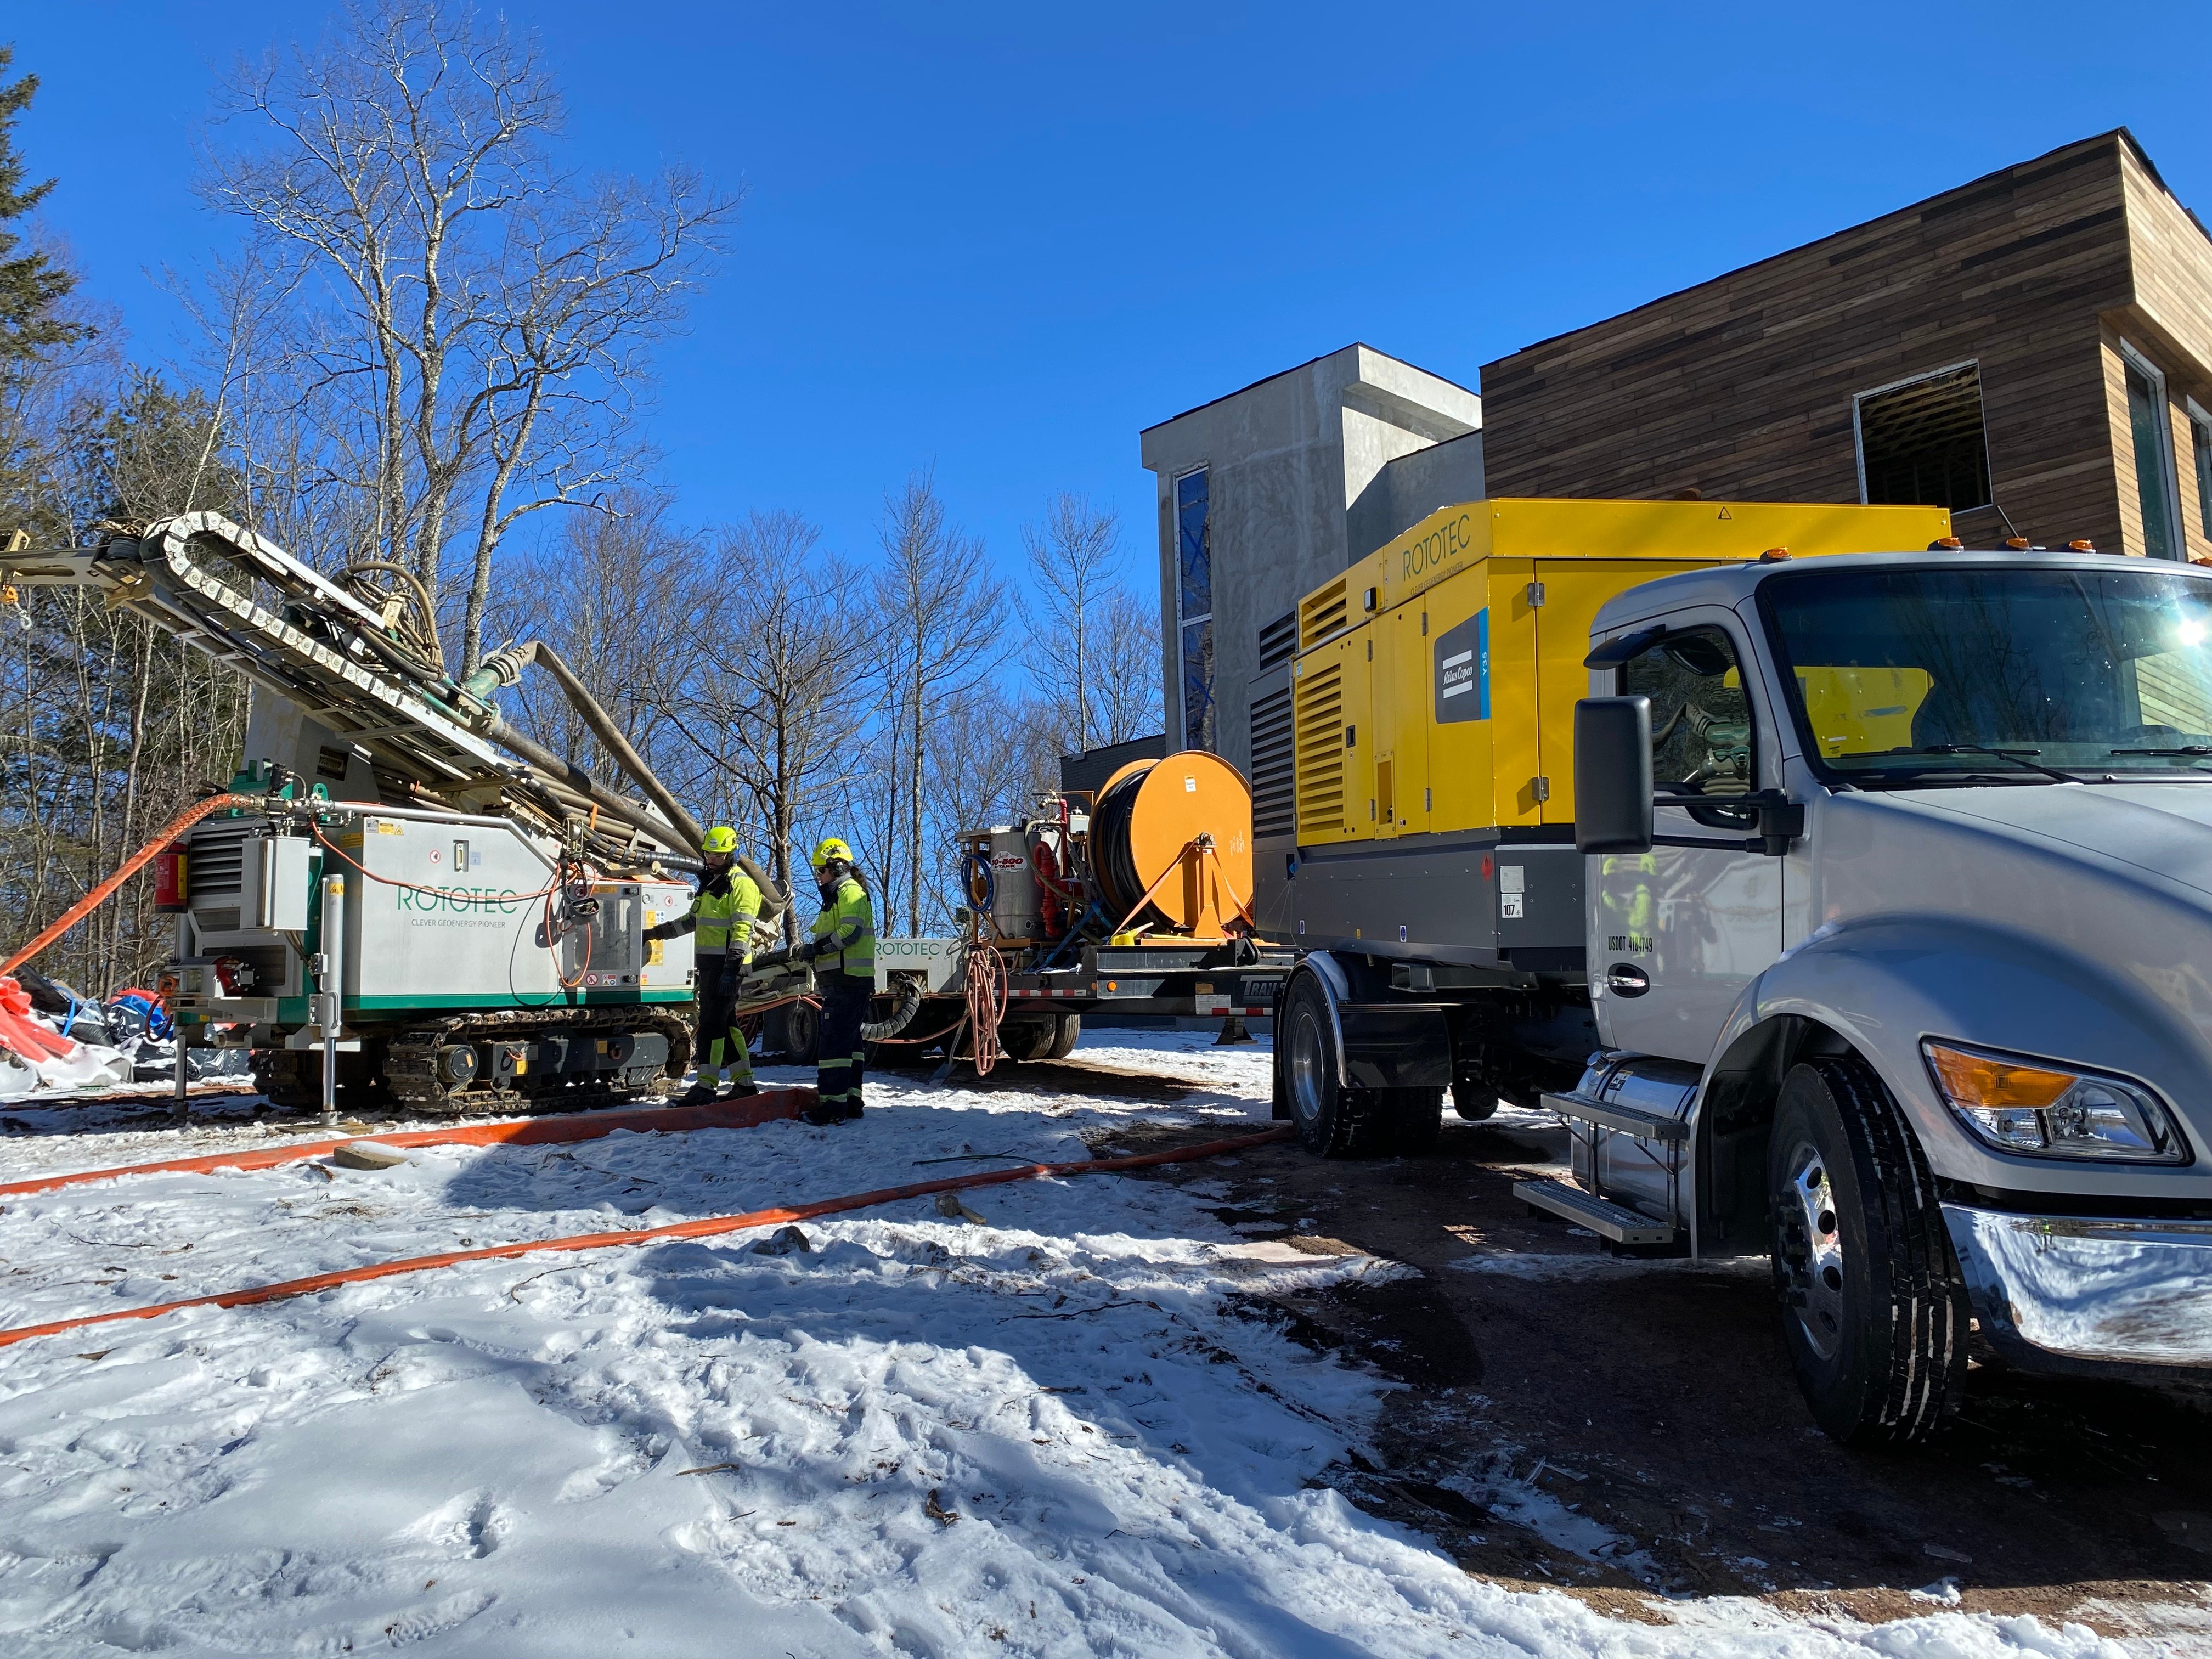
{"points": [[402, 900]]}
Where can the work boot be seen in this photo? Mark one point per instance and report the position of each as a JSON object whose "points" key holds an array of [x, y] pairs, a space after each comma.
{"points": [[851, 1112], [822, 1113], [697, 1094], [742, 1087]]}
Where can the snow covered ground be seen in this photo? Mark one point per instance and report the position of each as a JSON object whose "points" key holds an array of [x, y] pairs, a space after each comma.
{"points": [[1047, 1434]]}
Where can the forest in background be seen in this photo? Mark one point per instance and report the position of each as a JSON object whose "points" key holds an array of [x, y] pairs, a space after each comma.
{"points": [[431, 342]]}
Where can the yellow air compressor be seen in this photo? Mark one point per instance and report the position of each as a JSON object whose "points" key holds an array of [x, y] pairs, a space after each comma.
{"points": [[1433, 693]]}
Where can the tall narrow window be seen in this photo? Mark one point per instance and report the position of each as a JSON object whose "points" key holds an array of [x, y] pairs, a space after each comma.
{"points": [[1195, 609], [1921, 442], [2200, 442], [2153, 433]]}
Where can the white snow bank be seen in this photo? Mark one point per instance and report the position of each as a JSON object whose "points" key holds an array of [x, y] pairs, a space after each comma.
{"points": [[1047, 1435]]}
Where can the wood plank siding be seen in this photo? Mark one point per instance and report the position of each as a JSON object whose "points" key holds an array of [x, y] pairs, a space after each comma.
{"points": [[1743, 387]]}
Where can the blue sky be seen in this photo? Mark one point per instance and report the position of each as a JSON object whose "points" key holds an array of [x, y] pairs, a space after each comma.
{"points": [[998, 240]]}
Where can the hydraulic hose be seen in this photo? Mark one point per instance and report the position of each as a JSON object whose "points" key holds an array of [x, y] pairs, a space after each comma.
{"points": [[1112, 860], [92, 901], [705, 1227], [901, 1016]]}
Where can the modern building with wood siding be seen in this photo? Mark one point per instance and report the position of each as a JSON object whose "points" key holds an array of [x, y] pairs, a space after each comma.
{"points": [[2032, 349]]}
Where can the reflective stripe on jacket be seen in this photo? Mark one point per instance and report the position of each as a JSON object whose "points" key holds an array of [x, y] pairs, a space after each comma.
{"points": [[727, 915], [848, 922]]}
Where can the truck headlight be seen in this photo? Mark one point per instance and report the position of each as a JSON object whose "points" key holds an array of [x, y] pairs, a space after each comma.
{"points": [[2017, 1104]]}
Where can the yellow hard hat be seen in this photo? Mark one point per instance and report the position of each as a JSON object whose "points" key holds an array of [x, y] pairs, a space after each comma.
{"points": [[832, 848], [720, 839]]}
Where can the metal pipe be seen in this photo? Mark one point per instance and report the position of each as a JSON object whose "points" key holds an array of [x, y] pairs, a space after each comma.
{"points": [[180, 1109], [584, 783], [333, 989], [505, 668]]}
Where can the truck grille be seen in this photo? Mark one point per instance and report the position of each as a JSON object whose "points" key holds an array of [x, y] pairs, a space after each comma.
{"points": [[1320, 749], [1274, 766]]}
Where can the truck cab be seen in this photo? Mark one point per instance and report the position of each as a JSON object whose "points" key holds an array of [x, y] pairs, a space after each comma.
{"points": [[1896, 901]]}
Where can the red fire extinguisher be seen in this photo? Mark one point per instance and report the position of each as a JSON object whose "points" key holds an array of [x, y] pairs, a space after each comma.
{"points": [[171, 897]]}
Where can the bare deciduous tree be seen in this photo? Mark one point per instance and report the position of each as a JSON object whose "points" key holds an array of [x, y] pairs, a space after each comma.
{"points": [[1125, 655], [937, 635], [1072, 555], [609, 595], [765, 688], [480, 307]]}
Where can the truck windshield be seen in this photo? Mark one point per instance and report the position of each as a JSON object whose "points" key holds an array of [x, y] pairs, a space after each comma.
{"points": [[1923, 673]]}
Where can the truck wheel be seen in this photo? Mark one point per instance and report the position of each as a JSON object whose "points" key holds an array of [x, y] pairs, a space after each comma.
{"points": [[1474, 1100], [1333, 1122], [1873, 1311], [1416, 1120], [1065, 1039]]}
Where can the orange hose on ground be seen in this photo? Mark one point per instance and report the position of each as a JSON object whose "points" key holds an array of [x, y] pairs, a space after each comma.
{"points": [[131, 865], [705, 1227], [749, 1113]]}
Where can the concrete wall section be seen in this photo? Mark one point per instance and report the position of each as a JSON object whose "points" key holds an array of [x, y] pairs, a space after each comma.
{"points": [[1285, 459], [1406, 490]]}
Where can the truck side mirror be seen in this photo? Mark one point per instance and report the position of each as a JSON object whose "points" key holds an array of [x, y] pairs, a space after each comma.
{"points": [[1613, 775]]}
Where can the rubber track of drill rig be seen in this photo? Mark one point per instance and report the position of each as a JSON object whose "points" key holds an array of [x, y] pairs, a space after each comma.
{"points": [[408, 1069]]}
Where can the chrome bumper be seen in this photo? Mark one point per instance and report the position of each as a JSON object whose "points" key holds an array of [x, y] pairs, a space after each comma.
{"points": [[2088, 1287]]}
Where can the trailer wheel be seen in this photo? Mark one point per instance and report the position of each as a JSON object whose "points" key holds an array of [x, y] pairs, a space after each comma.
{"points": [[1416, 1120], [1065, 1039], [1873, 1309], [1028, 1039], [1474, 1100], [793, 1031], [1333, 1121]]}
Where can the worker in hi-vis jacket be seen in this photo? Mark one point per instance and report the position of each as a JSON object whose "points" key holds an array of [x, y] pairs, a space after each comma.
{"points": [[721, 918], [843, 947]]}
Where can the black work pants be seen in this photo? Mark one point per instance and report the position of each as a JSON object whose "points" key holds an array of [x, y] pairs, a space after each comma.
{"points": [[839, 1058], [720, 1048]]}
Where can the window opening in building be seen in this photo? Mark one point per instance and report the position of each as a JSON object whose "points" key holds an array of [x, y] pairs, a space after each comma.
{"points": [[2200, 441], [2155, 480], [1195, 609], [1921, 443]]}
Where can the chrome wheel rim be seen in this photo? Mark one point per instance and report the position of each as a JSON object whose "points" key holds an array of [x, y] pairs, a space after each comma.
{"points": [[1305, 1066], [1813, 1251]]}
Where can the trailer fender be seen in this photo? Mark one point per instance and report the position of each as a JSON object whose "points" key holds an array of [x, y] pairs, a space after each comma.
{"points": [[1380, 1043], [1877, 987]]}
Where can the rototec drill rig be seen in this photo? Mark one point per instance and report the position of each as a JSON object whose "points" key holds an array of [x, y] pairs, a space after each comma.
{"points": [[386, 904]]}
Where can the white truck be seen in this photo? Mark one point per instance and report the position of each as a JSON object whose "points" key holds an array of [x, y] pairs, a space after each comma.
{"points": [[1890, 883]]}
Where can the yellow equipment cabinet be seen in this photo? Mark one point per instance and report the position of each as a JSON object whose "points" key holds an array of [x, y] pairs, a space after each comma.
{"points": [[1435, 683]]}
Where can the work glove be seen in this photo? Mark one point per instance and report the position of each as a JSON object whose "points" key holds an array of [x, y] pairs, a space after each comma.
{"points": [[666, 929], [811, 949], [732, 968]]}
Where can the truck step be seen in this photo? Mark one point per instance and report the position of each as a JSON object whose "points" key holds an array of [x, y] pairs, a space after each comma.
{"points": [[1602, 1216], [1612, 1114]]}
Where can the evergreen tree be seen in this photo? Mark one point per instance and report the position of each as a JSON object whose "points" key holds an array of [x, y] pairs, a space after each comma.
{"points": [[31, 285]]}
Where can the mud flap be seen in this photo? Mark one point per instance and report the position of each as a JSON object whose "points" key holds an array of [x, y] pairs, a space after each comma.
{"points": [[1395, 1048]]}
